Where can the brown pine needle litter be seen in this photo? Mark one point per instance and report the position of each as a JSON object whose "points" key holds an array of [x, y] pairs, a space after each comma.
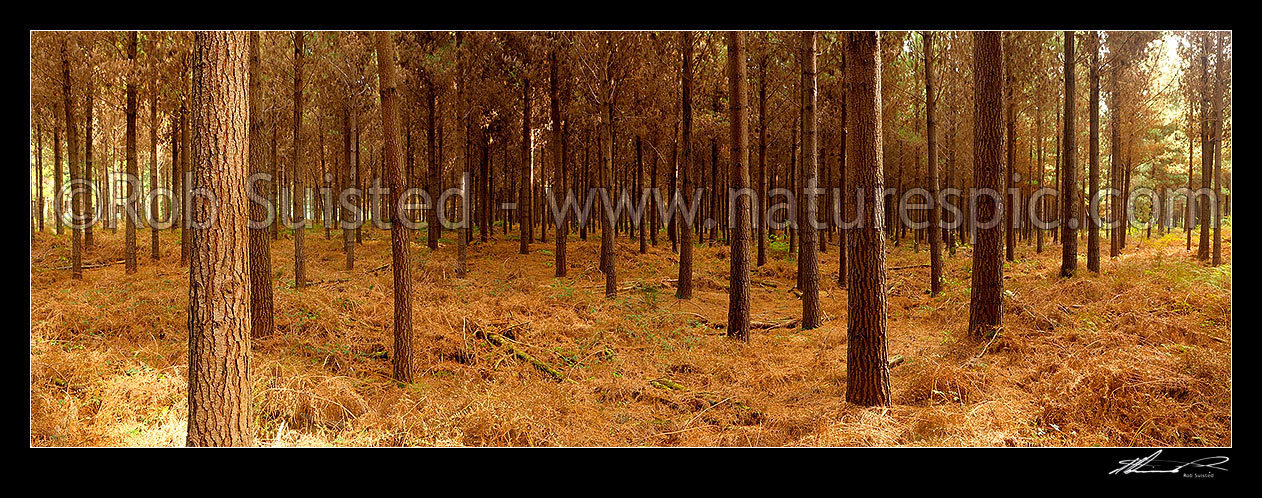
{"points": [[1139, 355]]}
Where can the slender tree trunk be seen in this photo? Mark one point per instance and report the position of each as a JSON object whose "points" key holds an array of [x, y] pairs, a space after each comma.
{"points": [[351, 215], [435, 229], [219, 384], [87, 166], [1069, 216], [1207, 150], [399, 247], [72, 147], [807, 248], [260, 248], [132, 168], [1218, 150], [299, 195], [1093, 237], [525, 202], [1010, 227], [738, 90], [762, 161], [684, 223], [935, 213], [153, 160]]}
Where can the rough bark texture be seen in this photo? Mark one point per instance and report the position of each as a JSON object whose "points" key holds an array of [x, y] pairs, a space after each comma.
{"points": [[808, 251], [559, 190], [132, 168], [260, 247], [153, 157], [87, 165], [435, 229], [986, 298], [350, 218], [935, 213], [738, 89], [299, 215], [219, 387], [1218, 150], [524, 201], [762, 161], [1093, 174], [1069, 189], [76, 198], [867, 372], [399, 247], [683, 223]]}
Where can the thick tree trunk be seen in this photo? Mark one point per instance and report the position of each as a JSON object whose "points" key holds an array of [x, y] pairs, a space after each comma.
{"points": [[986, 298], [867, 372], [219, 385]]}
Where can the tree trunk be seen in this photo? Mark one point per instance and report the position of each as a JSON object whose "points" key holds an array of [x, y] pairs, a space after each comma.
{"points": [[867, 372], [986, 299], [132, 168], [1093, 175], [299, 215], [219, 385], [1069, 216], [807, 250], [738, 90], [76, 197], [684, 224], [399, 247], [935, 213], [260, 247]]}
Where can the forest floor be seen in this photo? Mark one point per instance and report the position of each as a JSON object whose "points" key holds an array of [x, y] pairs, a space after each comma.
{"points": [[1139, 355]]}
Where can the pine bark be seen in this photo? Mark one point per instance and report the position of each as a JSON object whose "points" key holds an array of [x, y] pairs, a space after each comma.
{"points": [[683, 223], [260, 248], [986, 298], [219, 390], [935, 213], [1069, 190], [399, 247], [808, 253], [132, 167], [738, 90], [299, 215], [867, 372]]}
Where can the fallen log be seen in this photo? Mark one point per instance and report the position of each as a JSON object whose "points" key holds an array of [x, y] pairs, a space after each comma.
{"points": [[892, 268]]}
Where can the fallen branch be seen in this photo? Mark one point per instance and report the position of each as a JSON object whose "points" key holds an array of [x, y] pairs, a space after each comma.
{"points": [[505, 343], [787, 322], [88, 267], [892, 268]]}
